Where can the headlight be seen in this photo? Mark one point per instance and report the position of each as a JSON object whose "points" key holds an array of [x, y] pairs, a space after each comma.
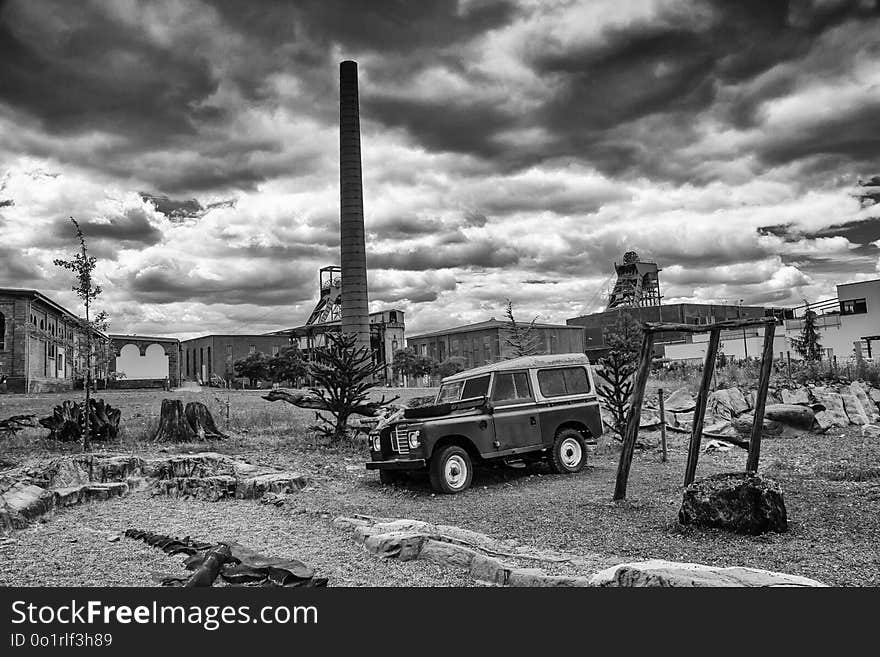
{"points": [[377, 445], [413, 437]]}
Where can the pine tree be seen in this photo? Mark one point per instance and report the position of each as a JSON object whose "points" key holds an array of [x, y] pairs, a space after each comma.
{"points": [[523, 339], [807, 344], [343, 373], [616, 370]]}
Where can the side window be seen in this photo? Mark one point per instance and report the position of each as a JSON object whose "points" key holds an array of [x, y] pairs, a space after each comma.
{"points": [[511, 385], [477, 387], [450, 392], [563, 381]]}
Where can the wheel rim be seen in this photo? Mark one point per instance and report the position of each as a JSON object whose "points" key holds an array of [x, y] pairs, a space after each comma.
{"points": [[570, 453], [455, 472]]}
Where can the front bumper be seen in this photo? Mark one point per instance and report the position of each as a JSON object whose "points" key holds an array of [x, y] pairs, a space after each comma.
{"points": [[397, 464]]}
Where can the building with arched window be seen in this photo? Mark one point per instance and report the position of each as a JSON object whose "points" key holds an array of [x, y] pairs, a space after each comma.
{"points": [[41, 344]]}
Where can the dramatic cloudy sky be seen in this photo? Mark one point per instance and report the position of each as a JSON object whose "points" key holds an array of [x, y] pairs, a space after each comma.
{"points": [[511, 149]]}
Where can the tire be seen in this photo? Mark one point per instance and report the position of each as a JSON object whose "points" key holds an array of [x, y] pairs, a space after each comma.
{"points": [[451, 470], [569, 453], [388, 477]]}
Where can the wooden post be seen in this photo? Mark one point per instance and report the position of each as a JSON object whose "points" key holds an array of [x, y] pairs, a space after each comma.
{"points": [[761, 401], [635, 413], [662, 425], [700, 410]]}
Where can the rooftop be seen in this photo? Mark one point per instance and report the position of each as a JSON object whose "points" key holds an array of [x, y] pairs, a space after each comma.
{"points": [[521, 363], [482, 326]]}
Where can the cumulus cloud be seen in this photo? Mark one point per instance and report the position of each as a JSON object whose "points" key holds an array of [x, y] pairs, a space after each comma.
{"points": [[511, 149]]}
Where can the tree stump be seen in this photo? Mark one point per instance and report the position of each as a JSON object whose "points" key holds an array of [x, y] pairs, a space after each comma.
{"points": [[68, 419], [202, 422], [63, 424], [173, 425]]}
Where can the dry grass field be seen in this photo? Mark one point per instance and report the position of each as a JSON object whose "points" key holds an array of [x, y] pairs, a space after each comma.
{"points": [[831, 483]]}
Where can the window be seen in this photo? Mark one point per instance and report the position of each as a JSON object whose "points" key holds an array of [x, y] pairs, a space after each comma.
{"points": [[275, 349], [854, 307], [477, 387], [252, 349], [511, 385], [2, 331], [563, 381], [450, 392]]}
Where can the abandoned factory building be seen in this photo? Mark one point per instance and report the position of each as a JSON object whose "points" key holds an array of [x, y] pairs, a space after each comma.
{"points": [[41, 344], [484, 342]]}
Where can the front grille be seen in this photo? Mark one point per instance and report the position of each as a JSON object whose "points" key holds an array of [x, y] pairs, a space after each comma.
{"points": [[399, 440]]}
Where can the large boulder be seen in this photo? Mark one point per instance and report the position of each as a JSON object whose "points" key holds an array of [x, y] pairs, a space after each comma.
{"points": [[860, 392], [796, 396], [792, 415], [855, 409], [680, 401], [657, 572], [829, 409], [726, 403], [738, 502]]}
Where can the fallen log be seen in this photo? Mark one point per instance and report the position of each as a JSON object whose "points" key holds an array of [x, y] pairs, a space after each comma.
{"points": [[309, 400], [210, 567], [16, 423], [235, 564]]}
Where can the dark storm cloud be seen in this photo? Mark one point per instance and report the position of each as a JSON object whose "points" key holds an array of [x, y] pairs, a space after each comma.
{"points": [[18, 269], [75, 67], [169, 282], [672, 65], [6, 203], [176, 210], [477, 254], [131, 228]]}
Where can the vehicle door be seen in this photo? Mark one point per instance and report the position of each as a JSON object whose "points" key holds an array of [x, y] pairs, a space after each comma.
{"points": [[517, 423]]}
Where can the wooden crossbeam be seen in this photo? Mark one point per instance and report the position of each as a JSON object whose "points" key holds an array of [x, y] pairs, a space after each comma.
{"points": [[660, 327]]}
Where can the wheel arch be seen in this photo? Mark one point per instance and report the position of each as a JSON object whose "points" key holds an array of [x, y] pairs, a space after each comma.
{"points": [[578, 426], [461, 441]]}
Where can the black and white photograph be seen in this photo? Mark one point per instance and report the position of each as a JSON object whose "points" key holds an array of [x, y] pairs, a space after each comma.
{"points": [[441, 293]]}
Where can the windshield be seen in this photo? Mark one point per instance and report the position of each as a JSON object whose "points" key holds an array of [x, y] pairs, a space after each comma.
{"points": [[450, 392], [466, 389]]}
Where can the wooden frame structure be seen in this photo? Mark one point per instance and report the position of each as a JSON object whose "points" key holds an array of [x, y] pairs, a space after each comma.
{"points": [[649, 330]]}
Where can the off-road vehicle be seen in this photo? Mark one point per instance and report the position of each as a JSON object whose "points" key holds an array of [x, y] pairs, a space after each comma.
{"points": [[527, 408]]}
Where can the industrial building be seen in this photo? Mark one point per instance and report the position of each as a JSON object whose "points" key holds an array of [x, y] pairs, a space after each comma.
{"points": [[484, 342], [41, 344], [636, 292]]}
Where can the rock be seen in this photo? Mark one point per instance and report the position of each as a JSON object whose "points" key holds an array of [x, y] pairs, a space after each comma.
{"points": [[680, 401], [796, 396], [23, 503], [829, 409], [661, 573], [798, 417], [738, 502], [649, 419], [726, 403], [743, 426], [855, 411], [858, 390], [716, 446]]}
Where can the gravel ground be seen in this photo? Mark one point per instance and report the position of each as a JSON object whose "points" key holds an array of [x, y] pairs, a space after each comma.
{"points": [[832, 492]]}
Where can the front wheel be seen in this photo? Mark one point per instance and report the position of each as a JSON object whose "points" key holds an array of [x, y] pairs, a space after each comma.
{"points": [[569, 454], [451, 470]]}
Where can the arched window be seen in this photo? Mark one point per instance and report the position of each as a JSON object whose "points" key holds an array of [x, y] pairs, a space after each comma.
{"points": [[2, 331]]}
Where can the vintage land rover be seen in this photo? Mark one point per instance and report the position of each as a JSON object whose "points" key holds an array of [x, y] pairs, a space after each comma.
{"points": [[527, 408]]}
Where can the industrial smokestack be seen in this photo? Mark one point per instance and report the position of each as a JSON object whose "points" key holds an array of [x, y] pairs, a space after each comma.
{"points": [[353, 253]]}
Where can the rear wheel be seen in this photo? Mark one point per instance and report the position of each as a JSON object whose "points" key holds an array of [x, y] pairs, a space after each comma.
{"points": [[569, 453], [451, 470]]}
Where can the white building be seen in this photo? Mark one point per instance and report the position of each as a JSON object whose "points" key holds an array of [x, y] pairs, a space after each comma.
{"points": [[848, 323]]}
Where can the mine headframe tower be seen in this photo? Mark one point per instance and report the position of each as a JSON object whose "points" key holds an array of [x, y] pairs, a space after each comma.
{"points": [[638, 283], [329, 306]]}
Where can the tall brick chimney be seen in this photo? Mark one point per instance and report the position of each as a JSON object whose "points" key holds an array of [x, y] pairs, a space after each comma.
{"points": [[353, 256]]}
